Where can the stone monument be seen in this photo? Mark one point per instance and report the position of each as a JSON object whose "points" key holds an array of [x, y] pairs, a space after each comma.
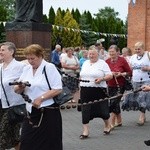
{"points": [[139, 23], [27, 28]]}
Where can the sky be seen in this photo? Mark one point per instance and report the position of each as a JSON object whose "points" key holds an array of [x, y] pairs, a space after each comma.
{"points": [[92, 6]]}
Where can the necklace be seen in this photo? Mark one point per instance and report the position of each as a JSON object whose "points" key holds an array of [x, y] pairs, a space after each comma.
{"points": [[139, 57]]}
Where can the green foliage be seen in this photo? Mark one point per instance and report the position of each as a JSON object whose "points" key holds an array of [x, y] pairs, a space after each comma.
{"points": [[2, 33], [107, 12], [9, 6], [3, 13], [68, 25], [76, 15], [71, 23], [51, 16], [107, 21], [88, 36], [45, 19]]}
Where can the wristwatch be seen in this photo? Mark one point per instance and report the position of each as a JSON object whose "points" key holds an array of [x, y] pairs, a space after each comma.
{"points": [[42, 97]]}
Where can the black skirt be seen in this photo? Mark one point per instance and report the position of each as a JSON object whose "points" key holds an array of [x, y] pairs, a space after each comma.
{"points": [[96, 110], [115, 103], [48, 136]]}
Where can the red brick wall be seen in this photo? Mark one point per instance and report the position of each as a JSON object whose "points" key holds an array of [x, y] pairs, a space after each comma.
{"points": [[139, 23], [147, 41]]}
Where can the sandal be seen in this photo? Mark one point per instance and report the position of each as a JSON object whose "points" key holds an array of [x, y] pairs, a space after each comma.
{"points": [[140, 123], [118, 125], [83, 136], [106, 132], [112, 127]]}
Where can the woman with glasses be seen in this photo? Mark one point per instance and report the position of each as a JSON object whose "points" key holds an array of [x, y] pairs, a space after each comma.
{"points": [[42, 129]]}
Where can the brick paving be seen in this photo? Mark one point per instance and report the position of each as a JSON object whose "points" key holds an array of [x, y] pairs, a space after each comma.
{"points": [[128, 137]]}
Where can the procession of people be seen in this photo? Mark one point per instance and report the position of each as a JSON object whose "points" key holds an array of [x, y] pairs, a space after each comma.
{"points": [[106, 79]]}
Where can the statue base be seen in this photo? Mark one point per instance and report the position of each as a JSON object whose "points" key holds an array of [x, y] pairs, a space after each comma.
{"points": [[23, 34]]}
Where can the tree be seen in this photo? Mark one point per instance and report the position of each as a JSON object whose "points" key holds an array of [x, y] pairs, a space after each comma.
{"points": [[51, 15], [71, 34], [2, 33], [45, 19], [76, 15], [57, 30], [107, 21], [9, 5], [3, 13], [106, 13], [88, 37]]}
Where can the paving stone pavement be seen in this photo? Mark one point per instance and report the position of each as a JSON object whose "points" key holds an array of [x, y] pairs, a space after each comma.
{"points": [[128, 137]]}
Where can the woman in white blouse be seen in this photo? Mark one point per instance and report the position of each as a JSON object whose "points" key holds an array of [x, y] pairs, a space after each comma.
{"points": [[43, 111], [97, 72], [10, 70], [70, 65], [140, 64]]}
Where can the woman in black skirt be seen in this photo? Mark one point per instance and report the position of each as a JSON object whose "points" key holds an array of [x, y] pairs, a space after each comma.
{"points": [[97, 72], [42, 129]]}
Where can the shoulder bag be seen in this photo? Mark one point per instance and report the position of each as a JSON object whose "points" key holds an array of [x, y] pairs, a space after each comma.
{"points": [[64, 96], [128, 84], [16, 113]]}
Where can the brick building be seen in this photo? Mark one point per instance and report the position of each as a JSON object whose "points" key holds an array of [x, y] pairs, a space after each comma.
{"points": [[139, 23]]}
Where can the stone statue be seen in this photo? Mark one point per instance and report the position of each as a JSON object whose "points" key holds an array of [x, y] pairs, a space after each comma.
{"points": [[29, 11]]}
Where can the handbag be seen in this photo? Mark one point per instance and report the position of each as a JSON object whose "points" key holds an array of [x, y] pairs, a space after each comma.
{"points": [[128, 85], [64, 96], [16, 113]]}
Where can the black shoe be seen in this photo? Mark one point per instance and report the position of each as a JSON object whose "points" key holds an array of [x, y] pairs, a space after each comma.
{"points": [[83, 136], [147, 142], [107, 132]]}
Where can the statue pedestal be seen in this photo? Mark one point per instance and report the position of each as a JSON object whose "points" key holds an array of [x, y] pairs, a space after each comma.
{"points": [[23, 34]]}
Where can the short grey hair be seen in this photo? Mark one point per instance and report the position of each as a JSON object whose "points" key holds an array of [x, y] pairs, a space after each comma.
{"points": [[58, 46], [114, 47], [93, 48], [11, 46]]}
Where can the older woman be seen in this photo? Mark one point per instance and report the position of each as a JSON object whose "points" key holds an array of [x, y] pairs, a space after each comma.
{"points": [[70, 65], [44, 113], [140, 63], [120, 69], [94, 90], [10, 70], [126, 53]]}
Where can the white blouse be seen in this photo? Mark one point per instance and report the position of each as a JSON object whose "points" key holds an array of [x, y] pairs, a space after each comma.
{"points": [[92, 71], [39, 84], [73, 61], [9, 74], [137, 64]]}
